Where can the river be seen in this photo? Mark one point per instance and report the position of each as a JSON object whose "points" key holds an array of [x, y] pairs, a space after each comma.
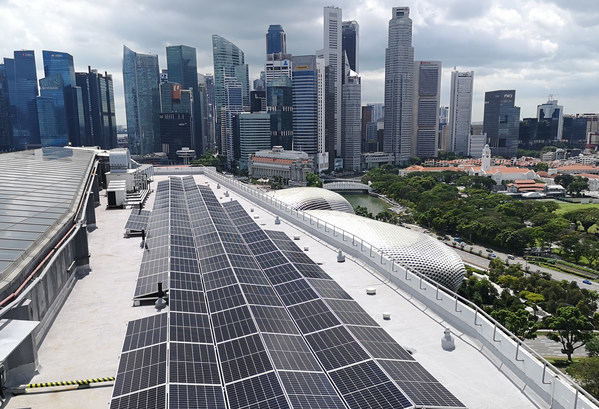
{"points": [[373, 204]]}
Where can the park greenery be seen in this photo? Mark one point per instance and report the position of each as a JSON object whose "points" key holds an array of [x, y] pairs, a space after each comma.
{"points": [[458, 204]]}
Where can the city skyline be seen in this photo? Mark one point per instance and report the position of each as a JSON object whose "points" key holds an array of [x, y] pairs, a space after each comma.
{"points": [[536, 48]]}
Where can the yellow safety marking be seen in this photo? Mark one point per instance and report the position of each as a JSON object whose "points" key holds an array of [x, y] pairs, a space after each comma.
{"points": [[65, 383]]}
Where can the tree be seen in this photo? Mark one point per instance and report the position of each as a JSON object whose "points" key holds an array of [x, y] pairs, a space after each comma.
{"points": [[314, 180], [541, 166], [592, 346], [586, 373], [571, 329], [520, 322], [564, 180], [578, 185]]}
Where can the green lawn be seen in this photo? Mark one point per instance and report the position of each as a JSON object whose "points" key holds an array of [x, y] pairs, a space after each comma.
{"points": [[568, 207]]}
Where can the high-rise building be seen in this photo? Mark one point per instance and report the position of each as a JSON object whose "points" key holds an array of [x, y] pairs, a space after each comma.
{"points": [[229, 62], [51, 111], [460, 110], [141, 77], [425, 108], [98, 108], [351, 143], [553, 114], [279, 104], [333, 60], [233, 105], [176, 132], [183, 69], [210, 113], [399, 88], [350, 40], [21, 76], [68, 102], [276, 40], [305, 104], [501, 122], [257, 101], [322, 158], [254, 135], [5, 122]]}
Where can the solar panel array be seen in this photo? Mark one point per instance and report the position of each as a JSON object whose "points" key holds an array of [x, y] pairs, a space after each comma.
{"points": [[138, 220], [253, 322]]}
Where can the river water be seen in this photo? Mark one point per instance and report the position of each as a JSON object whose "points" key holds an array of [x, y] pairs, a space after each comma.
{"points": [[373, 204]]}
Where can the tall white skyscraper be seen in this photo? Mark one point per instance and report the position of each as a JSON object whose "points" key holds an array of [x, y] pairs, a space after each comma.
{"points": [[399, 88], [334, 62], [322, 159], [427, 90], [352, 125], [460, 110]]}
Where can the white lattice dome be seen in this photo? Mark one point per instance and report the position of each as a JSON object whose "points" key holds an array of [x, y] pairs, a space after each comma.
{"points": [[417, 251], [313, 198]]}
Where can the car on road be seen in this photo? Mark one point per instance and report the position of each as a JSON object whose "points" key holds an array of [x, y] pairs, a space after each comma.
{"points": [[489, 250], [587, 282], [492, 255], [511, 257]]}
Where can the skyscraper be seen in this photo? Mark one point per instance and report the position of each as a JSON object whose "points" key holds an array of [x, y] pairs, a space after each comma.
{"points": [[279, 104], [553, 114], [142, 101], [183, 69], [21, 76], [98, 108], [233, 105], [254, 135], [333, 60], [501, 122], [460, 110], [229, 62], [276, 40], [51, 111], [351, 144], [350, 39], [5, 122], [427, 89], [68, 101], [399, 88], [305, 104]]}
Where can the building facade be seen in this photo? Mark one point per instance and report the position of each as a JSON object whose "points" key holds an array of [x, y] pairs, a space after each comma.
{"points": [[141, 77], [183, 69], [254, 135], [305, 104], [288, 165], [21, 76], [351, 146], [5, 122], [501, 122], [399, 86], [425, 108], [279, 104], [99, 113], [460, 110], [350, 33], [333, 60], [233, 107], [276, 39]]}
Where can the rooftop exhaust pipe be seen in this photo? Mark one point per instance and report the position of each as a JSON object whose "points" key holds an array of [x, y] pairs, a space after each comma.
{"points": [[160, 302], [340, 257]]}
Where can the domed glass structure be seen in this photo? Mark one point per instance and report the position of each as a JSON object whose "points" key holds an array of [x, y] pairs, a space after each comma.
{"points": [[313, 198]]}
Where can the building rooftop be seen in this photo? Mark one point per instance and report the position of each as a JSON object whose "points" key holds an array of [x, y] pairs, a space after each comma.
{"points": [[87, 336]]}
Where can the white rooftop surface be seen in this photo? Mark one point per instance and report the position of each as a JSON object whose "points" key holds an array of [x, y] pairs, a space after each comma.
{"points": [[87, 337]]}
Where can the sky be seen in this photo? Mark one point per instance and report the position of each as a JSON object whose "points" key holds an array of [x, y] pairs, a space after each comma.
{"points": [[538, 48]]}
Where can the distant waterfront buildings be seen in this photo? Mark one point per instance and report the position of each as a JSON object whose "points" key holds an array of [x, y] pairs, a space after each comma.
{"points": [[142, 101]]}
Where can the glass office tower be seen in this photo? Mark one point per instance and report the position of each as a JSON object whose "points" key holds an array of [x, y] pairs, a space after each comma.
{"points": [[142, 101]]}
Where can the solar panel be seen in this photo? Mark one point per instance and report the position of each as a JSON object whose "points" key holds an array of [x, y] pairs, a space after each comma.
{"points": [[290, 352], [196, 397], [260, 294], [313, 316], [193, 363], [350, 312], [312, 390], [262, 391], [219, 278], [329, 289], [242, 319], [187, 301], [138, 220], [225, 298], [187, 327], [335, 347], [243, 357], [150, 398], [145, 332], [383, 396], [295, 292], [141, 369], [273, 319], [282, 274], [378, 343]]}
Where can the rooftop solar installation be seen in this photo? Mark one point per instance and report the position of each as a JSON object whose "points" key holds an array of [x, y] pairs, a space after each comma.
{"points": [[138, 220], [253, 322]]}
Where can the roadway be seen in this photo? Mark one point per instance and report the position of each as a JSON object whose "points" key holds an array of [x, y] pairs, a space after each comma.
{"points": [[482, 262]]}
